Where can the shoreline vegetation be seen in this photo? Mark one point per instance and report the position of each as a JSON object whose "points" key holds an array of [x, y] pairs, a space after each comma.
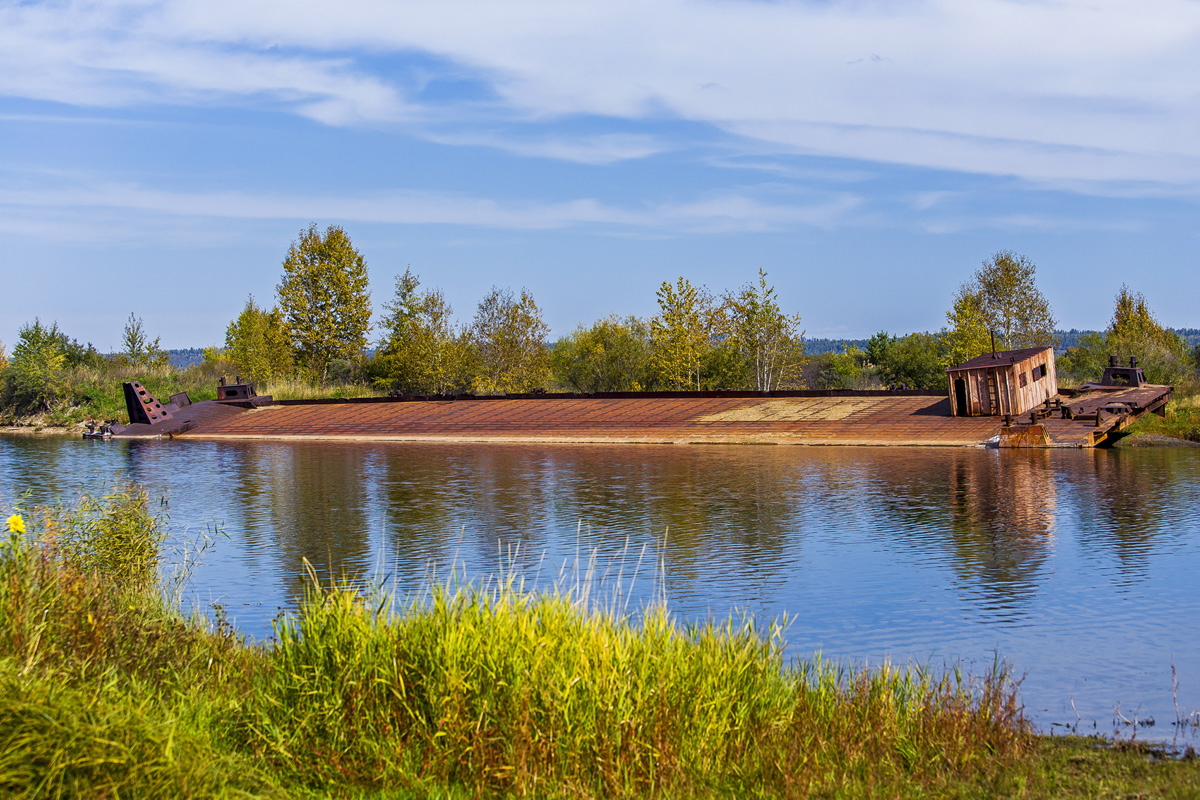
{"points": [[108, 689], [316, 342], [94, 392]]}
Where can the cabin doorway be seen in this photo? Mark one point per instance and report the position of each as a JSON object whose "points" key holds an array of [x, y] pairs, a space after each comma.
{"points": [[960, 398]]}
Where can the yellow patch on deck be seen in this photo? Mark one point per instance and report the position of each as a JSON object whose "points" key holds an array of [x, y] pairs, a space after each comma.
{"points": [[801, 409]]}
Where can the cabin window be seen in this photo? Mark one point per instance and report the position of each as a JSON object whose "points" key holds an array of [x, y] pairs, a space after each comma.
{"points": [[1024, 379], [1039, 372]]}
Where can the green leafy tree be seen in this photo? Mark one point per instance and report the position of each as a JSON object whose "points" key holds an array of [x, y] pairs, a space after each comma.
{"points": [[423, 350], [139, 350], [401, 310], [1133, 331], [34, 378], [768, 343], [1086, 360], [968, 335], [3, 357], [324, 299], [509, 338], [612, 355], [845, 369], [915, 361], [879, 348], [1011, 304], [258, 344], [679, 335], [1134, 327]]}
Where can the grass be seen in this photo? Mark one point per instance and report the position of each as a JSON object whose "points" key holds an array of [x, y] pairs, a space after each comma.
{"points": [[479, 691], [96, 392], [1181, 420]]}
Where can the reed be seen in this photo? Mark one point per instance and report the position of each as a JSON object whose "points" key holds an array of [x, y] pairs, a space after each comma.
{"points": [[488, 689]]}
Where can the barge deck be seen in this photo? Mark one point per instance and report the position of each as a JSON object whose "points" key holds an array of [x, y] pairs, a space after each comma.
{"points": [[798, 418]]}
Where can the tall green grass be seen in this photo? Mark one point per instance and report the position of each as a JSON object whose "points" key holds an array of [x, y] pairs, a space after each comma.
{"points": [[294, 389], [480, 690], [1180, 420], [95, 391]]}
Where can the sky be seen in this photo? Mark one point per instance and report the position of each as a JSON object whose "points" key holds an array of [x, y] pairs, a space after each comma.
{"points": [[158, 158]]}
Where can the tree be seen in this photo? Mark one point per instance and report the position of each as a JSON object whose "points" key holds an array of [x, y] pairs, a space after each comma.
{"points": [[140, 351], [423, 351], [915, 361], [613, 355], [679, 335], [324, 298], [35, 376], [1133, 332], [402, 309], [1134, 325], [509, 337], [1005, 291], [258, 344], [843, 370], [769, 343], [968, 335]]}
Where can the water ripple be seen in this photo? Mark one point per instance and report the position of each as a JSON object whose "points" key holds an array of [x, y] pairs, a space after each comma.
{"points": [[1075, 566]]}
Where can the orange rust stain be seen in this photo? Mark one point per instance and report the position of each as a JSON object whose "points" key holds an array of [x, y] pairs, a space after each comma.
{"points": [[888, 420]]}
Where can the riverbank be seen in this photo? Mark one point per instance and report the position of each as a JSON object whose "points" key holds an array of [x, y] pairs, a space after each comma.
{"points": [[38, 430], [1180, 421], [484, 691]]}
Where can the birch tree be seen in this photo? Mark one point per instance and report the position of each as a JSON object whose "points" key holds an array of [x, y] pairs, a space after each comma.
{"points": [[768, 342], [140, 350], [968, 334], [509, 337], [679, 334], [324, 298], [1011, 303], [258, 344], [423, 350]]}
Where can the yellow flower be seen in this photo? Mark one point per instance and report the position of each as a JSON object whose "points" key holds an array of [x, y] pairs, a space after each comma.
{"points": [[16, 524]]}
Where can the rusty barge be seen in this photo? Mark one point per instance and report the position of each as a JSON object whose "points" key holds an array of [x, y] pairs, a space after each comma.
{"points": [[1007, 399]]}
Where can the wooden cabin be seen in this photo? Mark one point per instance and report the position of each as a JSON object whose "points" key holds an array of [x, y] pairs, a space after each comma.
{"points": [[1007, 382]]}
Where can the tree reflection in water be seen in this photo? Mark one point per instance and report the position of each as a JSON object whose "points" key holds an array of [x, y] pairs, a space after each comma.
{"points": [[904, 552]]}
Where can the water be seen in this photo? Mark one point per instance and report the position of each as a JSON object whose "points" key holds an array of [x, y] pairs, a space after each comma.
{"points": [[1077, 567]]}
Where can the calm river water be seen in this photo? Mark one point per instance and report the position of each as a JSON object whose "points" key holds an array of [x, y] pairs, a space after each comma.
{"points": [[1080, 568]]}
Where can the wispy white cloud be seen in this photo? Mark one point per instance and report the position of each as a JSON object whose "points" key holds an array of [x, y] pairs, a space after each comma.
{"points": [[40, 210], [1067, 92], [102, 55], [584, 149], [1011, 223]]}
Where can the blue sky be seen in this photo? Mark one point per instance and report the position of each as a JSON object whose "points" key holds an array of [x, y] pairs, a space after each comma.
{"points": [[158, 158]]}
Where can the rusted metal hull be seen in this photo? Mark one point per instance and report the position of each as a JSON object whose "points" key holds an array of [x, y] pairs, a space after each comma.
{"points": [[1089, 419], [864, 418], [813, 418]]}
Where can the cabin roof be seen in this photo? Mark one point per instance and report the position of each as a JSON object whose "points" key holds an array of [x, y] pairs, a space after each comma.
{"points": [[1001, 358]]}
